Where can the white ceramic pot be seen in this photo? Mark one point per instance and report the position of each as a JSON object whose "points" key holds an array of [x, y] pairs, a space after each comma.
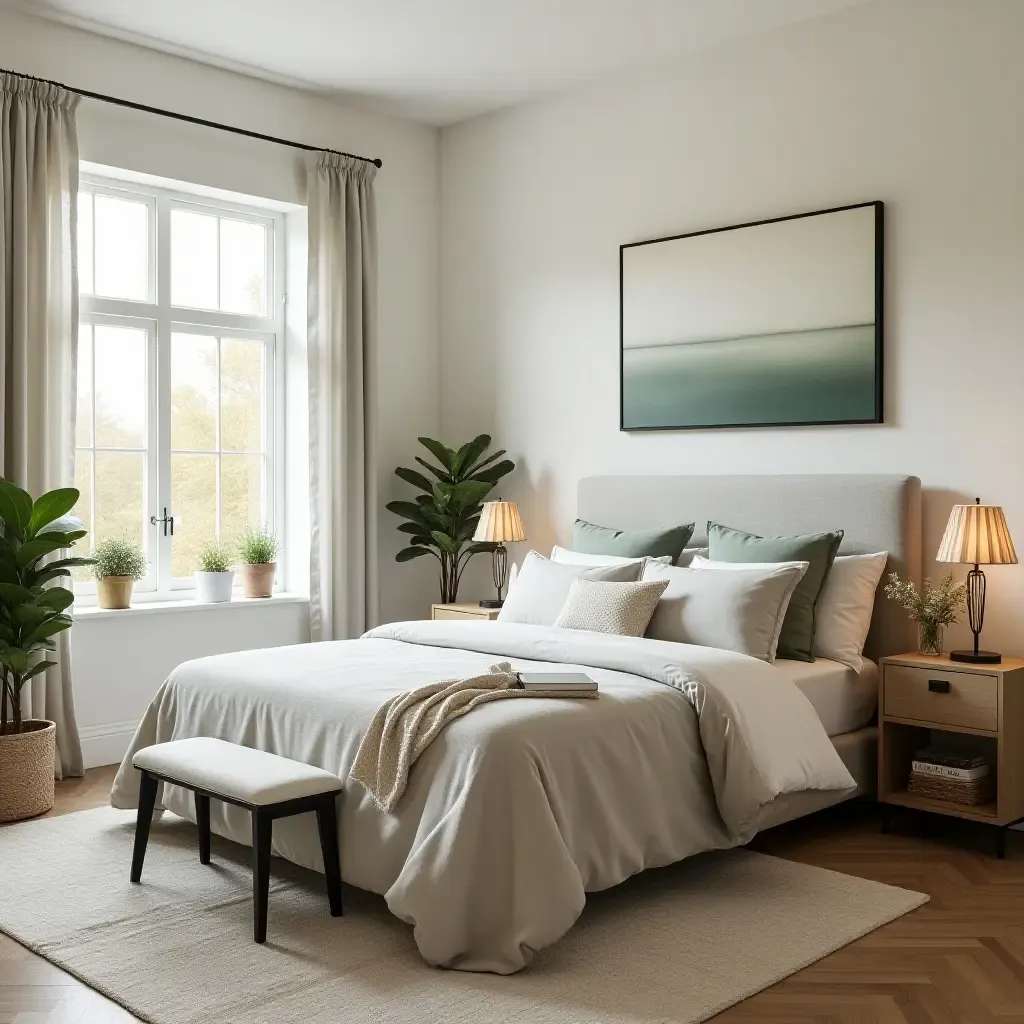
{"points": [[214, 587]]}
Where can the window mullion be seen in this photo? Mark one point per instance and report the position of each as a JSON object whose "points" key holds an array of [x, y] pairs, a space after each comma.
{"points": [[160, 440]]}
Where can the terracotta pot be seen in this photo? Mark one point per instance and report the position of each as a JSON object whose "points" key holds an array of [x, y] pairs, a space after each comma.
{"points": [[258, 578], [114, 591], [26, 770]]}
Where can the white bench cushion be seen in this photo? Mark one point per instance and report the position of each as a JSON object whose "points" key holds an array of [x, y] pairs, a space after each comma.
{"points": [[240, 773]]}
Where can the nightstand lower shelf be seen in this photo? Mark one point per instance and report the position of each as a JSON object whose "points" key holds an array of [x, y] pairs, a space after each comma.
{"points": [[977, 812]]}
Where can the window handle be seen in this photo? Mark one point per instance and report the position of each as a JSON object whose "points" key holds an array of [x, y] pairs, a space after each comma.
{"points": [[168, 522]]}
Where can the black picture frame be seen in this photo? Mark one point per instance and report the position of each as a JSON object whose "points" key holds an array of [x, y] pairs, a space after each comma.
{"points": [[879, 295]]}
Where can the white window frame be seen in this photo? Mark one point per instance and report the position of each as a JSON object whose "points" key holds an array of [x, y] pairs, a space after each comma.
{"points": [[161, 319]]}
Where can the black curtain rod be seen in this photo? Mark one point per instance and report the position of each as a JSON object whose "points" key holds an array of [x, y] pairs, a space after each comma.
{"points": [[131, 105]]}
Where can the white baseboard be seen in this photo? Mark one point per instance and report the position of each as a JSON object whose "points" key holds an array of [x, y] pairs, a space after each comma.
{"points": [[106, 744]]}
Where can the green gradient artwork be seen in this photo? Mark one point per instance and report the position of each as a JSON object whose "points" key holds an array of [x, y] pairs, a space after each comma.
{"points": [[768, 324]]}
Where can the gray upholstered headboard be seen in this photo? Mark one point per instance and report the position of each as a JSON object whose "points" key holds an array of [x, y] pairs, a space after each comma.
{"points": [[878, 513]]}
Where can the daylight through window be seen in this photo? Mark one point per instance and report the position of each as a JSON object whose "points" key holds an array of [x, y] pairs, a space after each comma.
{"points": [[177, 359]]}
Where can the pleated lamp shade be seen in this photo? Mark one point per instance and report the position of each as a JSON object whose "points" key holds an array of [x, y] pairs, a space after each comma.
{"points": [[499, 523], [977, 534]]}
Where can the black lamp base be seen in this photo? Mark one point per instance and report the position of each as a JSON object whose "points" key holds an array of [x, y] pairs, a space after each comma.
{"points": [[976, 657], [491, 604]]}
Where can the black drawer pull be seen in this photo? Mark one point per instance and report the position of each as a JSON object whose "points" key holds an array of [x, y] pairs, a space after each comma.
{"points": [[938, 686]]}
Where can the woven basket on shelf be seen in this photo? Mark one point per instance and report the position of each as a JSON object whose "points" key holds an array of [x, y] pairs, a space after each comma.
{"points": [[957, 791], [26, 770]]}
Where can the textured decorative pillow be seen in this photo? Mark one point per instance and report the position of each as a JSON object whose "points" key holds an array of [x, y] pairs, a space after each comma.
{"points": [[541, 587], [622, 608], [738, 609], [569, 557], [602, 540], [817, 549], [845, 607]]}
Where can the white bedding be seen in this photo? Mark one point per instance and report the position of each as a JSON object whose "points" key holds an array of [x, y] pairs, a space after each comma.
{"points": [[844, 699], [519, 809]]}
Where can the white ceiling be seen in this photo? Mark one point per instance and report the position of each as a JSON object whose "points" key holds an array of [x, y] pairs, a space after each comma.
{"points": [[433, 60]]}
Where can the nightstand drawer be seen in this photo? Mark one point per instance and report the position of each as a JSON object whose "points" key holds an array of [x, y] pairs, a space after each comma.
{"points": [[450, 613], [969, 700]]}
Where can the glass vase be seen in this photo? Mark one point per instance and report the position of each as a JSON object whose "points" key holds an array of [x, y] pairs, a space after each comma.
{"points": [[930, 638]]}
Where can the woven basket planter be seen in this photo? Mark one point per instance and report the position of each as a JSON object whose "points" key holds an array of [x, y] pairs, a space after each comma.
{"points": [[26, 770]]}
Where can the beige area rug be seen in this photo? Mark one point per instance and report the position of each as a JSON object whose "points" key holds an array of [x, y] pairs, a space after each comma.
{"points": [[678, 944]]}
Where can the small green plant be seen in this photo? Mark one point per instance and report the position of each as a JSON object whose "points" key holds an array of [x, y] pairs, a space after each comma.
{"points": [[215, 557], [31, 611], [258, 547], [118, 556]]}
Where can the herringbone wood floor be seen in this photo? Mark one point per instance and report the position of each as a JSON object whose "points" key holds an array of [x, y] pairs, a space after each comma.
{"points": [[957, 960]]}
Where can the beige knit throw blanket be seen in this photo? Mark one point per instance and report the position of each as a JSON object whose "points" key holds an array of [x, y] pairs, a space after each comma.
{"points": [[405, 726]]}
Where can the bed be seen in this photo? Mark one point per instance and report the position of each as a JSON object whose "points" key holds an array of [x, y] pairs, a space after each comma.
{"points": [[519, 809]]}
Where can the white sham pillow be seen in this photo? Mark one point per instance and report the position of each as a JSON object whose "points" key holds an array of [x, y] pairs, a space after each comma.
{"points": [[569, 557], [687, 555], [736, 610], [542, 586], [602, 607], [845, 608]]}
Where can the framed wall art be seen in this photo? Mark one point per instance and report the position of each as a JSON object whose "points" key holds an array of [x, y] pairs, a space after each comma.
{"points": [[772, 323]]}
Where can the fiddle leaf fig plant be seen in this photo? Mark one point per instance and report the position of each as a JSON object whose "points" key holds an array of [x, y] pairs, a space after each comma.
{"points": [[32, 613], [443, 517]]}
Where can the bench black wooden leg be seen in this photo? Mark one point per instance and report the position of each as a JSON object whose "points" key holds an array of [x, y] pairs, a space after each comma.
{"points": [[327, 825], [203, 821], [262, 825], [147, 800]]}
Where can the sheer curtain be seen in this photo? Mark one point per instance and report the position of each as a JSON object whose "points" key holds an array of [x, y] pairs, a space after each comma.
{"points": [[39, 332], [342, 312]]}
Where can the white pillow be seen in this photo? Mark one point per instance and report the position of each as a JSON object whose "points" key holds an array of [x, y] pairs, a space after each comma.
{"points": [[602, 607], [541, 587], [687, 555], [569, 557], [739, 610], [845, 607]]}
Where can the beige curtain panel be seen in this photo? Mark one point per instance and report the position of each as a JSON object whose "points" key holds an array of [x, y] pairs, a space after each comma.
{"points": [[342, 330], [39, 331]]}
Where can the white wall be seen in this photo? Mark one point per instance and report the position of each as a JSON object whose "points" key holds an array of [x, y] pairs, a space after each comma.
{"points": [[121, 658], [916, 104], [407, 198]]}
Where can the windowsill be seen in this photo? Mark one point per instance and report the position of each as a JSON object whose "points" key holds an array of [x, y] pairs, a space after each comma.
{"points": [[184, 604]]}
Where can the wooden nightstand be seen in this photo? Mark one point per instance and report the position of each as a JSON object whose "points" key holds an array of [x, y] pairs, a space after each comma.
{"points": [[466, 612], [919, 694]]}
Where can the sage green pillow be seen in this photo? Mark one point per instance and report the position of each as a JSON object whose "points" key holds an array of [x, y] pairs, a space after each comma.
{"points": [[591, 539], [818, 549]]}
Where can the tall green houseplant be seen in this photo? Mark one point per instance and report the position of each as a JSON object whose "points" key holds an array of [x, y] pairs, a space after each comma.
{"points": [[442, 518], [32, 613]]}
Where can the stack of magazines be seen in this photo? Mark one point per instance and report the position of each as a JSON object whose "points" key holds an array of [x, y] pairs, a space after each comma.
{"points": [[959, 777]]}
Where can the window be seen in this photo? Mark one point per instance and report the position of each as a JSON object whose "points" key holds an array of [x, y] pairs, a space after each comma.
{"points": [[181, 318]]}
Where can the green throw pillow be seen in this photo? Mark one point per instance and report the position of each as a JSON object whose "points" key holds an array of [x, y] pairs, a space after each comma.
{"points": [[819, 549], [602, 540]]}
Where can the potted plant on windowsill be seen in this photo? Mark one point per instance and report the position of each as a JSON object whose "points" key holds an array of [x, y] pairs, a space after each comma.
{"points": [[31, 616], [118, 564], [259, 551], [214, 577]]}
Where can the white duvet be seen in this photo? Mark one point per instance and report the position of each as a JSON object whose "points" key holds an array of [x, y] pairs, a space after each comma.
{"points": [[520, 808]]}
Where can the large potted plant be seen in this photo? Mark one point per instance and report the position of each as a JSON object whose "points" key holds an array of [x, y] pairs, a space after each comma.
{"points": [[31, 616], [118, 564], [443, 517]]}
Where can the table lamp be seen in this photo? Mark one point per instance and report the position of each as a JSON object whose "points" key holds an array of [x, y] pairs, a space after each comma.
{"points": [[499, 523], [976, 534]]}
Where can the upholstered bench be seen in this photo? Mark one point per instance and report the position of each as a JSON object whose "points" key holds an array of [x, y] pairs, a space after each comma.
{"points": [[266, 785]]}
